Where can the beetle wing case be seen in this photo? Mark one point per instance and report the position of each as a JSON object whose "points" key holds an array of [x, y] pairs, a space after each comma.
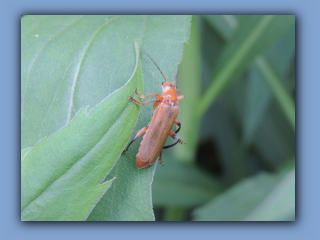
{"points": [[156, 134]]}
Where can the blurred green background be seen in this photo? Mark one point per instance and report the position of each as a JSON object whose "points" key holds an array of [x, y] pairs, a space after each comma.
{"points": [[238, 119]]}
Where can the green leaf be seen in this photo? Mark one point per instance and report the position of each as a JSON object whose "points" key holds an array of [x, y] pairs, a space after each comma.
{"points": [[254, 35], [61, 176], [265, 197], [71, 62], [24, 152], [279, 204], [180, 185], [130, 197]]}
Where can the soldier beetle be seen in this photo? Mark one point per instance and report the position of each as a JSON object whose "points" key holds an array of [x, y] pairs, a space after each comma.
{"points": [[164, 116]]}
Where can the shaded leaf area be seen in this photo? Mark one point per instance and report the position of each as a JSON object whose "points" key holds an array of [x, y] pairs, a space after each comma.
{"points": [[246, 102], [283, 97], [180, 185], [279, 58], [61, 176], [245, 125], [254, 35], [219, 147], [224, 24], [244, 132], [271, 198], [163, 41]]}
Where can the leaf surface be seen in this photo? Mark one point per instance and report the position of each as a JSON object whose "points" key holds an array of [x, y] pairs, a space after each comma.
{"points": [[73, 62], [265, 197], [181, 185], [130, 198], [61, 176]]}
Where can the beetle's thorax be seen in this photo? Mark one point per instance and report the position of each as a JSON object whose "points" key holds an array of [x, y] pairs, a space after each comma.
{"points": [[169, 93]]}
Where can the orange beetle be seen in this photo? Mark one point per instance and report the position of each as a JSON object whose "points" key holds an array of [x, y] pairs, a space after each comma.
{"points": [[159, 128]]}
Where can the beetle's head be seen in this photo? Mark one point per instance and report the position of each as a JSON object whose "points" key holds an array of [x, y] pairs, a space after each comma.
{"points": [[169, 91], [166, 86]]}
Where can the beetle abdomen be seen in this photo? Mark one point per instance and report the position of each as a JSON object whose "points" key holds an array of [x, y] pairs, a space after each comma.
{"points": [[156, 134]]}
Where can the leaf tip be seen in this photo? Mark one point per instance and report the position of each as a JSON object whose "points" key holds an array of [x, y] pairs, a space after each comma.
{"points": [[136, 47], [108, 182]]}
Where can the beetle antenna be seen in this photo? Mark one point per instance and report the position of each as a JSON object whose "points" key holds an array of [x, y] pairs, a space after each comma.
{"points": [[175, 78], [165, 79]]}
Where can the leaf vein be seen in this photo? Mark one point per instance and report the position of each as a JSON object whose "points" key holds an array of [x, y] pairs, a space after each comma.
{"points": [[37, 57], [73, 165], [79, 65]]}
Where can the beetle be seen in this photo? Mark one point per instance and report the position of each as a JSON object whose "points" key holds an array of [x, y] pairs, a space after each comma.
{"points": [[164, 116]]}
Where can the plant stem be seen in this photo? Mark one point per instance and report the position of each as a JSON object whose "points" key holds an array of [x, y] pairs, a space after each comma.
{"points": [[224, 76], [276, 86], [174, 214]]}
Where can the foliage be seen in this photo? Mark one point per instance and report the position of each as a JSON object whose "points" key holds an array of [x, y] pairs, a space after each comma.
{"points": [[271, 198], [238, 118], [76, 75], [238, 76]]}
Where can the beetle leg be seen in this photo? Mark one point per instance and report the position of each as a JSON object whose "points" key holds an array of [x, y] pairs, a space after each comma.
{"points": [[144, 96], [149, 95], [160, 159], [171, 145], [180, 97], [142, 103], [158, 97], [155, 105], [176, 137], [178, 124], [139, 133]]}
